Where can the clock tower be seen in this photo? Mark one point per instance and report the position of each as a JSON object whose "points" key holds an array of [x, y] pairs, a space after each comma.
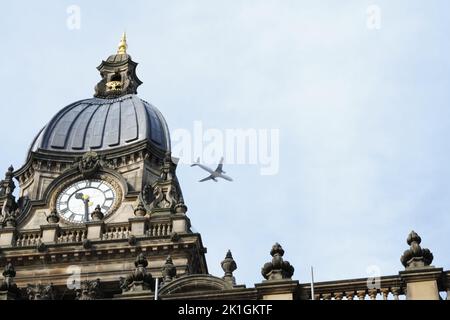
{"points": [[99, 197]]}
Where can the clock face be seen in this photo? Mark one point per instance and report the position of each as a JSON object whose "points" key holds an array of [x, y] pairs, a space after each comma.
{"points": [[77, 202]]}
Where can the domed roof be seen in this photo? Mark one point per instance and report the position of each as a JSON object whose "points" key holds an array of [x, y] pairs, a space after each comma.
{"points": [[102, 124]]}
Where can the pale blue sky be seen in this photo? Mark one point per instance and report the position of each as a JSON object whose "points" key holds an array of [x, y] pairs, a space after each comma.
{"points": [[364, 115]]}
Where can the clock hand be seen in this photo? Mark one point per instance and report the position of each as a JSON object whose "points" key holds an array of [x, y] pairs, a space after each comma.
{"points": [[79, 196], [86, 207], [85, 198]]}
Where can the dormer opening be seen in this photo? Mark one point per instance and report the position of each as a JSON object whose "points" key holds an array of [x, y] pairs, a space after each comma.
{"points": [[116, 77]]}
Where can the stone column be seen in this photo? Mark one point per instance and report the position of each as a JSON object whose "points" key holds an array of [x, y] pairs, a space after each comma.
{"points": [[7, 236], [277, 289], [278, 274], [422, 283], [138, 226], [180, 223], [96, 226], [50, 233], [95, 230], [420, 277]]}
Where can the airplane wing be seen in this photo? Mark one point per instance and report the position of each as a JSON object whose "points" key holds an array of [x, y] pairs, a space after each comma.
{"points": [[206, 179]]}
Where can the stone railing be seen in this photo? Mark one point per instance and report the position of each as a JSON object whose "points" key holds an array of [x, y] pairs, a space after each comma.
{"points": [[72, 235], [28, 238], [116, 231], [160, 229], [110, 231], [383, 288], [446, 284]]}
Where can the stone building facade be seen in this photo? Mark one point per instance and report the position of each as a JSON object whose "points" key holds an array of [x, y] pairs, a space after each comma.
{"points": [[100, 214]]}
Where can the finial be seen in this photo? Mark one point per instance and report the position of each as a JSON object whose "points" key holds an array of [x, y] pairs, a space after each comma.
{"points": [[53, 217], [8, 283], [278, 268], [229, 266], [416, 256], [140, 210], [169, 270], [97, 215], [123, 44], [139, 279]]}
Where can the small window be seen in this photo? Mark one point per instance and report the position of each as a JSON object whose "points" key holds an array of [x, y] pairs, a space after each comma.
{"points": [[116, 77]]}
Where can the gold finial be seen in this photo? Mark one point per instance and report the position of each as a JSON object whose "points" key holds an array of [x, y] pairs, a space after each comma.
{"points": [[123, 45]]}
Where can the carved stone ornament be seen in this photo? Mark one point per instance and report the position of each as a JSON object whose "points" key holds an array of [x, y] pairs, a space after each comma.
{"points": [[89, 290], [41, 292], [147, 194], [169, 270], [139, 279], [140, 210], [9, 219], [97, 215], [90, 164], [165, 194], [132, 240], [7, 187], [53, 217], [8, 284], [277, 269], [229, 266], [180, 207], [41, 247], [416, 256], [175, 237], [87, 244]]}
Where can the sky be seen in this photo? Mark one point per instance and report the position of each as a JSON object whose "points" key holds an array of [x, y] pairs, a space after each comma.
{"points": [[362, 110]]}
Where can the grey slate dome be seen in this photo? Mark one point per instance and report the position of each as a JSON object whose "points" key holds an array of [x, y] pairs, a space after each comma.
{"points": [[103, 124], [116, 117]]}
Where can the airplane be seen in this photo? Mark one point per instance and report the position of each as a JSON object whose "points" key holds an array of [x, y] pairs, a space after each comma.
{"points": [[218, 173]]}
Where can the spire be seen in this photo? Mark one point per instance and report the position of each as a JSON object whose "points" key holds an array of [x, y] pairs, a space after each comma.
{"points": [[123, 44]]}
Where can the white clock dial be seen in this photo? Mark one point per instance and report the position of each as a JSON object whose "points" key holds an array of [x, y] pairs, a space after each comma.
{"points": [[77, 202]]}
